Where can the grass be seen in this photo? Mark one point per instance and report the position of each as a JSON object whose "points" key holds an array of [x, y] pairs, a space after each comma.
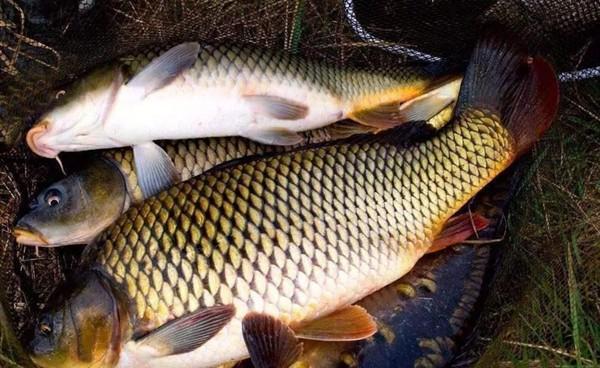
{"points": [[544, 309], [544, 305]]}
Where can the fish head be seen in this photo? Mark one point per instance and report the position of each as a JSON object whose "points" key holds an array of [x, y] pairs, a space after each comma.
{"points": [[83, 326], [75, 209], [74, 123]]}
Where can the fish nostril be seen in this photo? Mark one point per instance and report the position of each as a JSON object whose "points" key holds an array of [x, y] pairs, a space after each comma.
{"points": [[34, 203]]}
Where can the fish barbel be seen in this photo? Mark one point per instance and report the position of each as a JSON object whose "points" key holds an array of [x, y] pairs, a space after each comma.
{"points": [[76, 209], [252, 256], [195, 91]]}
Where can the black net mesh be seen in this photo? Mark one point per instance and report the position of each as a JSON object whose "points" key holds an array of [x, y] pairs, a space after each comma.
{"points": [[45, 44]]}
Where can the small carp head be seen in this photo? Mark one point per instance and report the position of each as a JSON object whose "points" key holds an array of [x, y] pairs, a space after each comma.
{"points": [[84, 327], [75, 122], [75, 209]]}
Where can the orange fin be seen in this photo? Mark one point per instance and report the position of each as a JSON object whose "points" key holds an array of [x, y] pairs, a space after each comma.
{"points": [[269, 341], [348, 324], [458, 229], [383, 116], [420, 108], [348, 128], [431, 103]]}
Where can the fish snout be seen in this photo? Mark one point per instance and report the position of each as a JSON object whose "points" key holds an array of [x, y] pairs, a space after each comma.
{"points": [[35, 142], [25, 234]]}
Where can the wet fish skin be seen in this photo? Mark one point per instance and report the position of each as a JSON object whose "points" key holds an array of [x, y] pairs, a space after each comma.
{"points": [[291, 235], [301, 234], [291, 197], [76, 218], [264, 95]]}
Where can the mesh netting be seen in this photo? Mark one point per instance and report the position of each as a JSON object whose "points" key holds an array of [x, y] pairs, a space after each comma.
{"points": [[45, 44]]}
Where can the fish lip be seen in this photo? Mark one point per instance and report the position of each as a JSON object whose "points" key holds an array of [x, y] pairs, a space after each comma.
{"points": [[28, 236], [32, 138]]}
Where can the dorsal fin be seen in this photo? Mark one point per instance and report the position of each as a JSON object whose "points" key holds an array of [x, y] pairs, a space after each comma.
{"points": [[162, 70]]}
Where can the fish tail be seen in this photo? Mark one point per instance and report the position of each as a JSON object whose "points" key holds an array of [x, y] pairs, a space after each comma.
{"points": [[521, 89]]}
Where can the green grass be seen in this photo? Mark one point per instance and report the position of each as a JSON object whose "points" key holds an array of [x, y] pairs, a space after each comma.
{"points": [[544, 307], [9, 348]]}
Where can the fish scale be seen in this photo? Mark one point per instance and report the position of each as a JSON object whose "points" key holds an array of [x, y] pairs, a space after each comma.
{"points": [[193, 157], [299, 234], [229, 65]]}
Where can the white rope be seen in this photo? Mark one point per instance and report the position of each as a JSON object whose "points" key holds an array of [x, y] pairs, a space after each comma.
{"points": [[580, 74], [365, 36]]}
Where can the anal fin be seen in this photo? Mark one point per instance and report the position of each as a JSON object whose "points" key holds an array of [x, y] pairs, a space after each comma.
{"points": [[277, 137], [154, 169], [270, 342], [347, 324], [189, 332], [458, 229], [348, 128]]}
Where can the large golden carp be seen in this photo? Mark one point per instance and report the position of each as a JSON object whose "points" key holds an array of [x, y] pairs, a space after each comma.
{"points": [[249, 258]]}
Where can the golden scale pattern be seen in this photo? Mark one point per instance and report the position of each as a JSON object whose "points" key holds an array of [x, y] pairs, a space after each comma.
{"points": [[192, 157], [279, 234]]}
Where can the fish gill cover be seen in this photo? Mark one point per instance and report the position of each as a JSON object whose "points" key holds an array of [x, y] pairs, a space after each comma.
{"points": [[547, 282]]}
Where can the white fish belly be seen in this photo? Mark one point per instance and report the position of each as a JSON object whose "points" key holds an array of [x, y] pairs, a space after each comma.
{"points": [[181, 111], [226, 346]]}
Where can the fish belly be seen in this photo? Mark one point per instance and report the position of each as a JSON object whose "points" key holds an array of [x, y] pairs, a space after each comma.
{"points": [[181, 111]]}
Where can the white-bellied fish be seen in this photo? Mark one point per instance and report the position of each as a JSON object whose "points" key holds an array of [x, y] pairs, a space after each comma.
{"points": [[253, 256], [195, 91]]}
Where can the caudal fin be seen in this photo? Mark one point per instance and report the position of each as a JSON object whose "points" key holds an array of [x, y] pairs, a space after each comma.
{"points": [[536, 105], [522, 90]]}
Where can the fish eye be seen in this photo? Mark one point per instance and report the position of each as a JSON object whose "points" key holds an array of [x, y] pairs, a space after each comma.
{"points": [[45, 328], [53, 197]]}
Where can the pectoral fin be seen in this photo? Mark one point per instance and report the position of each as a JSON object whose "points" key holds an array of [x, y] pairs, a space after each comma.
{"points": [[278, 137], [189, 332], [458, 229], [277, 107], [348, 324], [270, 342], [154, 169], [162, 70]]}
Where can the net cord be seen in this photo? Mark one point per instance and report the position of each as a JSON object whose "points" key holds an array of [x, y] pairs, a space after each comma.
{"points": [[367, 37]]}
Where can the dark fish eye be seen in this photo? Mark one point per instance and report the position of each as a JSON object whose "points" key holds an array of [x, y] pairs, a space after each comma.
{"points": [[53, 197], [45, 328]]}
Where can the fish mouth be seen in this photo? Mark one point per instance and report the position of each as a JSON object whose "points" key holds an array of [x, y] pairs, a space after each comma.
{"points": [[33, 140], [28, 236]]}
